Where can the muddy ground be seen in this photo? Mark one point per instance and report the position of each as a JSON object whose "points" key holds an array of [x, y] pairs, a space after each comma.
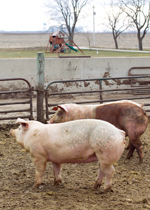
{"points": [[131, 182]]}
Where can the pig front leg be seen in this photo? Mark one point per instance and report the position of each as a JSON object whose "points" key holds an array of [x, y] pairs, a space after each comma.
{"points": [[57, 175], [40, 165]]}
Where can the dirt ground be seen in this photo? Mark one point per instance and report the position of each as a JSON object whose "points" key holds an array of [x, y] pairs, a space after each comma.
{"points": [[131, 182], [130, 189]]}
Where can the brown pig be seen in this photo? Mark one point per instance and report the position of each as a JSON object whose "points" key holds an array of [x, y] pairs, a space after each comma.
{"points": [[80, 141], [125, 115]]}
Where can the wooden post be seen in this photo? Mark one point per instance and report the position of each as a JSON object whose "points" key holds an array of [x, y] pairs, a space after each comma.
{"points": [[40, 86]]}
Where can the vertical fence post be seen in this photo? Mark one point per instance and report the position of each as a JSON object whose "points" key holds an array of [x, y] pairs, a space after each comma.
{"points": [[40, 86], [100, 86]]}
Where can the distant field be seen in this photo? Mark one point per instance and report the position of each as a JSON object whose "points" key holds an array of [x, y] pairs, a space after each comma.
{"points": [[102, 40], [27, 45], [92, 53]]}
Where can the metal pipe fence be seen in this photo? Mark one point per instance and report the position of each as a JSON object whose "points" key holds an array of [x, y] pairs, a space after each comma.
{"points": [[27, 92], [105, 94]]}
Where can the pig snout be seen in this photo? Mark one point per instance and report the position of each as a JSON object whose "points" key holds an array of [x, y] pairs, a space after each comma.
{"points": [[54, 119], [12, 132], [51, 119]]}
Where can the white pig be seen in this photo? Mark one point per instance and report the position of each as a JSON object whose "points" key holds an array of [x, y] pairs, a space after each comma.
{"points": [[125, 115], [80, 141]]}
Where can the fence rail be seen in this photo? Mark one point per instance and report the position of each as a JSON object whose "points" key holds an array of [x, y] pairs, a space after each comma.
{"points": [[102, 91], [145, 72], [24, 91]]}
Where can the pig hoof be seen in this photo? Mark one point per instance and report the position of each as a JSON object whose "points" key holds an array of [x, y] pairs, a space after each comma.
{"points": [[129, 156], [37, 186], [108, 190], [96, 185], [140, 161], [56, 182]]}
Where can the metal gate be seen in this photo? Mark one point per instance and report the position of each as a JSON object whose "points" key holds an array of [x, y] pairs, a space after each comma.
{"points": [[140, 71], [104, 92], [10, 108]]}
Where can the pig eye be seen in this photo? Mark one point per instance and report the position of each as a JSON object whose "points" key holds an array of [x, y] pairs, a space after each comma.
{"points": [[60, 113]]}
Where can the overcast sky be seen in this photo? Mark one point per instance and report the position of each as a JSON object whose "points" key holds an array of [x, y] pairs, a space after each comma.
{"points": [[30, 15], [22, 15]]}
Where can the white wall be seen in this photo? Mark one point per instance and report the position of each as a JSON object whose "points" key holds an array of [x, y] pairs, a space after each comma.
{"points": [[68, 68]]}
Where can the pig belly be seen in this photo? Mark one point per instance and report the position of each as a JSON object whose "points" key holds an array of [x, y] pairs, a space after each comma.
{"points": [[90, 159], [72, 155]]}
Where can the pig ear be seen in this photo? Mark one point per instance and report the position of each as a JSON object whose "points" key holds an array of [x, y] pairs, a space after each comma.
{"points": [[19, 120], [62, 107], [23, 123], [25, 126], [55, 108]]}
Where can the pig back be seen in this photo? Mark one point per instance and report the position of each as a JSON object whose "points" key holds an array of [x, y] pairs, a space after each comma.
{"points": [[121, 114], [90, 131]]}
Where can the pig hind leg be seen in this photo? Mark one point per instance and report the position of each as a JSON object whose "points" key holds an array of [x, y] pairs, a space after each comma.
{"points": [[131, 149], [99, 179], [106, 171], [134, 131], [135, 143], [40, 165], [138, 145], [57, 175]]}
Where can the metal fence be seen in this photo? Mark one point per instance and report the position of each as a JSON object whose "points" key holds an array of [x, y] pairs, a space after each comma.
{"points": [[80, 92], [140, 71], [105, 93], [25, 100]]}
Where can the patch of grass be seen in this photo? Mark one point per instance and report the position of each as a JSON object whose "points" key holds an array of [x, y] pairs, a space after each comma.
{"points": [[92, 53]]}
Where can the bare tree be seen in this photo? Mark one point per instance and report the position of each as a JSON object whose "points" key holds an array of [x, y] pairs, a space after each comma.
{"points": [[88, 35], [117, 21], [66, 12], [137, 11]]}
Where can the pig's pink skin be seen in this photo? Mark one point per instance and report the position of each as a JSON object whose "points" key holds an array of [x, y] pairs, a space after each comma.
{"points": [[70, 112], [125, 115], [79, 141]]}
